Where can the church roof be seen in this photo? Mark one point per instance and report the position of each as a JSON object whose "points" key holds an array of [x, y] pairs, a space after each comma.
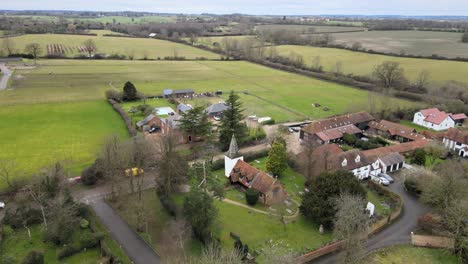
{"points": [[233, 151]]}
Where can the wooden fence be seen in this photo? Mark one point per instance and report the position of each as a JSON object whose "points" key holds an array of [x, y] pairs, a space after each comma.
{"points": [[432, 241]]}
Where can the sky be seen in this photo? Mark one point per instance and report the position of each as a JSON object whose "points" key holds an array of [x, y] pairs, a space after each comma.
{"points": [[254, 7]]}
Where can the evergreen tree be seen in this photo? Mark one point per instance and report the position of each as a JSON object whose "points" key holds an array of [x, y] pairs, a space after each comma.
{"points": [[419, 157], [200, 211], [195, 122], [277, 158], [232, 122], [129, 92]]}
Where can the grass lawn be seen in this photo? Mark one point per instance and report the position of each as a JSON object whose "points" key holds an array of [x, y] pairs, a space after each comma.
{"points": [[377, 200], [415, 126], [19, 245], [139, 47], [38, 135], [360, 63], [156, 102], [413, 42], [280, 95], [410, 255]]}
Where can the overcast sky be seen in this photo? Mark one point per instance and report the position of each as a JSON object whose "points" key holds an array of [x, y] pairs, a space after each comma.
{"points": [[273, 7]]}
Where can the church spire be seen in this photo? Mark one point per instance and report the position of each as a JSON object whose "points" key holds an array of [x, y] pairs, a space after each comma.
{"points": [[233, 151]]}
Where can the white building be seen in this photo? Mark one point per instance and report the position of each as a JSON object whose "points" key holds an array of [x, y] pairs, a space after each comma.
{"points": [[231, 157], [457, 140], [437, 120]]}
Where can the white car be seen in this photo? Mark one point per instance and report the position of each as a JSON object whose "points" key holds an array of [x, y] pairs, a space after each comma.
{"points": [[2, 205], [384, 181]]}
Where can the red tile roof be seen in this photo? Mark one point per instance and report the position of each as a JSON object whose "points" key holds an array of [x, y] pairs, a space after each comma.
{"points": [[459, 117], [249, 176], [400, 148], [338, 121], [396, 129], [457, 135], [338, 132], [349, 160]]}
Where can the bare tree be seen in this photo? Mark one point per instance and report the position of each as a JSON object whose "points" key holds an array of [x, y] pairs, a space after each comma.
{"points": [[172, 167], [338, 67], [34, 49], [174, 238], [351, 226], [212, 254], [90, 47], [112, 162], [423, 80], [389, 73], [8, 45], [435, 150], [8, 172], [316, 63]]}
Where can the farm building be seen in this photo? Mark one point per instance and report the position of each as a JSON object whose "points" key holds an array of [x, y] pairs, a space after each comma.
{"points": [[333, 129], [393, 131], [183, 108], [240, 172], [185, 93], [438, 120], [148, 122], [216, 110], [398, 148], [457, 140]]}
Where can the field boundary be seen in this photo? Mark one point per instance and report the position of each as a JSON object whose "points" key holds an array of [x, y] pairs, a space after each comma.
{"points": [[128, 121], [278, 105]]}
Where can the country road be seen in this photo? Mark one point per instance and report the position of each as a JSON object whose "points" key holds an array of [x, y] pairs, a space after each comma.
{"points": [[6, 74], [398, 232]]}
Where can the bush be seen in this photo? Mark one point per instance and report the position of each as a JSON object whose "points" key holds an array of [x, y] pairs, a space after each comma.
{"points": [[429, 223], [90, 241], [33, 257], [91, 175], [7, 231], [349, 139], [251, 196], [8, 260], [16, 218], [114, 95], [419, 157], [412, 185], [269, 122], [67, 251], [169, 205], [84, 224]]}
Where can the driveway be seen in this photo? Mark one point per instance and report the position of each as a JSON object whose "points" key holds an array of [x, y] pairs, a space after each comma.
{"points": [[137, 249], [6, 74], [398, 232]]}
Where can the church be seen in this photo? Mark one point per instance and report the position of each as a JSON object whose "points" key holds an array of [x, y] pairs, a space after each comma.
{"points": [[240, 172]]}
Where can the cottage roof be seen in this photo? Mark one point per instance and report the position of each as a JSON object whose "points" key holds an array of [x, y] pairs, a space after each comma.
{"points": [[338, 121], [396, 129], [320, 155], [251, 177], [217, 108], [145, 120], [459, 117], [390, 158], [400, 148], [457, 135], [338, 132], [349, 160], [172, 121]]}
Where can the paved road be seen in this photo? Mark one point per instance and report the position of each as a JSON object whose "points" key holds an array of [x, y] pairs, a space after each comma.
{"points": [[5, 77], [137, 250], [397, 233]]}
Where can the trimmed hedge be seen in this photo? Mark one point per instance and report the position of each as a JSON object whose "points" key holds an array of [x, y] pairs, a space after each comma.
{"points": [[128, 121]]}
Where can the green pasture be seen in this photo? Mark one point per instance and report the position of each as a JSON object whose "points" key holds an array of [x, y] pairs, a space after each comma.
{"points": [[308, 28], [139, 47], [360, 63], [410, 255], [265, 91], [38, 135], [425, 43], [219, 41]]}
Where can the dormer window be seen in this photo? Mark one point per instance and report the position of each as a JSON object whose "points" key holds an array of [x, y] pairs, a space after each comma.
{"points": [[357, 159], [344, 163]]}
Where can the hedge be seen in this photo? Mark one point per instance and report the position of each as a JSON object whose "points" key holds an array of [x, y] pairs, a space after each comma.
{"points": [[128, 121]]}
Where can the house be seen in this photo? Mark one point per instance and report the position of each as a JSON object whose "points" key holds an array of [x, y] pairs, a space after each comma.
{"points": [[387, 162], [355, 162], [457, 140], [393, 131], [438, 120], [240, 172], [216, 110], [148, 122], [331, 130], [183, 108], [184, 93], [152, 35]]}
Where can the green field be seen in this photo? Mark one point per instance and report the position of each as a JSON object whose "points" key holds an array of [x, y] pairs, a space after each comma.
{"points": [[361, 63], [210, 41], [38, 135], [19, 245], [308, 29], [423, 43], [139, 47], [280, 95], [410, 255]]}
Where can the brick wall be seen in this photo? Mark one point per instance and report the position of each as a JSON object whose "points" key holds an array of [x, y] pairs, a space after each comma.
{"points": [[432, 241]]}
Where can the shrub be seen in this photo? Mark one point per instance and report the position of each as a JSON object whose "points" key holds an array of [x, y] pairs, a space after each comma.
{"points": [[91, 175], [90, 241], [349, 139], [84, 223], [8, 260], [33, 257], [23, 214], [269, 122], [114, 95], [7, 231], [412, 185], [169, 205], [67, 251], [429, 223], [251, 196], [419, 157]]}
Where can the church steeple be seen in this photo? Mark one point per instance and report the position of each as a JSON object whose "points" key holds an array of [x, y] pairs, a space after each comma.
{"points": [[233, 151]]}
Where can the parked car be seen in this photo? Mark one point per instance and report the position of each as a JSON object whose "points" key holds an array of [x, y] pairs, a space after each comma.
{"points": [[387, 177], [384, 181], [296, 129], [154, 130], [2, 205], [290, 130], [217, 118]]}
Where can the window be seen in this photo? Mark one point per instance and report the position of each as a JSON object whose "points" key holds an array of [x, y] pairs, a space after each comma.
{"points": [[344, 163], [358, 159]]}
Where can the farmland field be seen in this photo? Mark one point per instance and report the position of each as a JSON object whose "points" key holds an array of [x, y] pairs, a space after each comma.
{"points": [[37, 135], [361, 63], [266, 92], [308, 28], [105, 19], [423, 43], [72, 45], [209, 41]]}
